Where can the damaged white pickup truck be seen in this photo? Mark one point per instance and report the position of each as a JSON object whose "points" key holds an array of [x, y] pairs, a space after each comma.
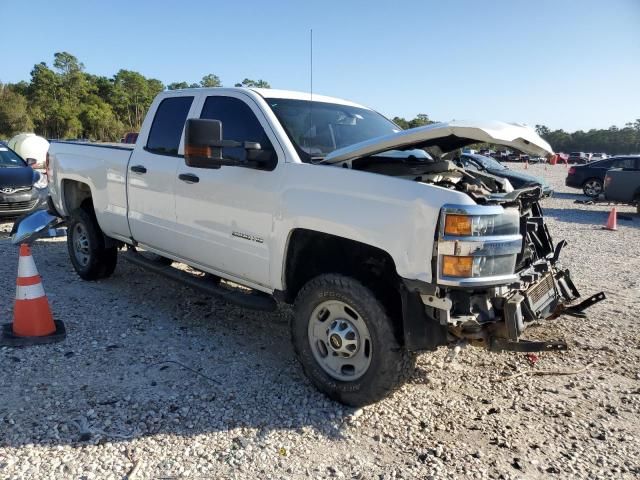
{"points": [[385, 247]]}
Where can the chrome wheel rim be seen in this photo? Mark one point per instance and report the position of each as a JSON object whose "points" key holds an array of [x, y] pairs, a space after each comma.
{"points": [[340, 340], [80, 240], [592, 188]]}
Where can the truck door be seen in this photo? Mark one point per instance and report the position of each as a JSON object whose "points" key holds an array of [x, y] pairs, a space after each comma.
{"points": [[151, 176], [224, 216]]}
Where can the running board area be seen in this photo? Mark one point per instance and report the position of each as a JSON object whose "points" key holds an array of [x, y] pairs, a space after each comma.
{"points": [[252, 299]]}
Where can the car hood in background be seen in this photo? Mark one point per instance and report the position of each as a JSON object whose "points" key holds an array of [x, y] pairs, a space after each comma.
{"points": [[17, 177], [448, 136], [519, 178]]}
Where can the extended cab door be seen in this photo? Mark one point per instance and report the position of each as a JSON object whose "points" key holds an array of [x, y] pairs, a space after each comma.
{"points": [[224, 216], [151, 175]]}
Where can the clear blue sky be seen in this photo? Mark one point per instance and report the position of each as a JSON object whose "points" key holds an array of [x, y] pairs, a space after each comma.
{"points": [[572, 64]]}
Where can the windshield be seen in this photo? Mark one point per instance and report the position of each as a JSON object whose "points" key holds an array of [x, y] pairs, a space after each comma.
{"points": [[8, 158], [318, 128], [488, 162]]}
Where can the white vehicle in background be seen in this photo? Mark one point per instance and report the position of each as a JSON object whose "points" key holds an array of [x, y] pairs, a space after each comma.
{"points": [[30, 145], [385, 248], [598, 156]]}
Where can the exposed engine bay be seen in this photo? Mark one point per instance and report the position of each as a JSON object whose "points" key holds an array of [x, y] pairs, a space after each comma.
{"points": [[442, 173], [494, 316]]}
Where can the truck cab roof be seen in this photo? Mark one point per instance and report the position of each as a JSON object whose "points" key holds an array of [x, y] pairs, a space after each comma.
{"points": [[271, 93]]}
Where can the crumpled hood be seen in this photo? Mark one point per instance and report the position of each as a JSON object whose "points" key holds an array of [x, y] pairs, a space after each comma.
{"points": [[17, 177], [448, 136]]}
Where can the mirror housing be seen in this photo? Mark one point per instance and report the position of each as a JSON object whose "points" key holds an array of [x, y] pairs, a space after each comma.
{"points": [[204, 144], [31, 162]]}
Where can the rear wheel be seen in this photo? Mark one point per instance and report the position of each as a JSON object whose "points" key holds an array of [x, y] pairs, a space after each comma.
{"points": [[346, 343], [87, 251], [592, 187]]}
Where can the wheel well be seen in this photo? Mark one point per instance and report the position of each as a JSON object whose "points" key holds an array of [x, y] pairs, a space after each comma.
{"points": [[312, 253], [76, 195]]}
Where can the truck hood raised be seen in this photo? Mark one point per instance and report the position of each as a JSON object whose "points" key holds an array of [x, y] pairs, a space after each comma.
{"points": [[446, 137]]}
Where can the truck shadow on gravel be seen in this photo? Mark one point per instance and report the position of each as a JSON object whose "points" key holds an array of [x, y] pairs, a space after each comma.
{"points": [[146, 357]]}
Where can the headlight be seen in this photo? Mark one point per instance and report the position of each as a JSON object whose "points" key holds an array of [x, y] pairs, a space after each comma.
{"points": [[41, 182], [481, 225], [478, 245], [475, 267]]}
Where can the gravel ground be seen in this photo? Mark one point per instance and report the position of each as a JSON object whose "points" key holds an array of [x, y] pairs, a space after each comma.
{"points": [[158, 381]]}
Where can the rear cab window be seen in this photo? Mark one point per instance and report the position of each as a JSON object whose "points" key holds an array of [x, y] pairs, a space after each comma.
{"points": [[168, 124]]}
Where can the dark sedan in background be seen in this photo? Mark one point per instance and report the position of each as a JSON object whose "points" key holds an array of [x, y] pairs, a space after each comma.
{"points": [[22, 189], [494, 167], [590, 177]]}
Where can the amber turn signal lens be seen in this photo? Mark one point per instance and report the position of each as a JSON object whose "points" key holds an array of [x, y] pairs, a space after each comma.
{"points": [[459, 225], [457, 266], [197, 151]]}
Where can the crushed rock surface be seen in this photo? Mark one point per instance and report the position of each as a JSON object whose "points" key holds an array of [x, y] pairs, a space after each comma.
{"points": [[156, 380]]}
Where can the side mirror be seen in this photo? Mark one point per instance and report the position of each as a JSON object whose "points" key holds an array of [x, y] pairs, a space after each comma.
{"points": [[204, 146], [31, 161]]}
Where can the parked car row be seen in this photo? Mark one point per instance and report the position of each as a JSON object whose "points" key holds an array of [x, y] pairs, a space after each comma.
{"points": [[584, 158], [590, 177]]}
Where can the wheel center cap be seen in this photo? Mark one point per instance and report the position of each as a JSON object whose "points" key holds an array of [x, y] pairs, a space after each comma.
{"points": [[335, 341]]}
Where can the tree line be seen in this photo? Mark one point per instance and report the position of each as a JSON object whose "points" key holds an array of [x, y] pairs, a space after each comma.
{"points": [[612, 140], [64, 101]]}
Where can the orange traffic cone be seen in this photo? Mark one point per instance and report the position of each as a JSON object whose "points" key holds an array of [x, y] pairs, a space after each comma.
{"points": [[32, 319], [612, 221]]}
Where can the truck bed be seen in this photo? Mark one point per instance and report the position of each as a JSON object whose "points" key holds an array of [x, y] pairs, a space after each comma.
{"points": [[103, 166]]}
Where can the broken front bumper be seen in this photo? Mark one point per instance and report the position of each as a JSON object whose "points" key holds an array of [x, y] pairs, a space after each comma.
{"points": [[493, 312]]}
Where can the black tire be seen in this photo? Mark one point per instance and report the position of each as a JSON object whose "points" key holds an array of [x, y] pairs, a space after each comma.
{"points": [[100, 260], [390, 364], [593, 187]]}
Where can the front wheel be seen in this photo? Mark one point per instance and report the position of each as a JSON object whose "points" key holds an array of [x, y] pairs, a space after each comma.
{"points": [[85, 242], [592, 188], [346, 342]]}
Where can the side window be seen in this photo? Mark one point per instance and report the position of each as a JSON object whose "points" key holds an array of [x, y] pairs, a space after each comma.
{"points": [[624, 163], [167, 126], [239, 123]]}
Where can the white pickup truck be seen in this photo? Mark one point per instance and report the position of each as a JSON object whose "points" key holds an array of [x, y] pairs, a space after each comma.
{"points": [[385, 247]]}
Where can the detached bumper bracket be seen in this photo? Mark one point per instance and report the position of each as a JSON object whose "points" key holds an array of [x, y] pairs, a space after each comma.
{"points": [[578, 310], [502, 344]]}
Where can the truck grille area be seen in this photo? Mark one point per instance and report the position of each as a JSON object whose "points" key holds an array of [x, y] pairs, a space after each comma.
{"points": [[17, 206]]}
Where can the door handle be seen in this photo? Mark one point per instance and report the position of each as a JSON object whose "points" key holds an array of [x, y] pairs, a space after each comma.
{"points": [[139, 169], [189, 178]]}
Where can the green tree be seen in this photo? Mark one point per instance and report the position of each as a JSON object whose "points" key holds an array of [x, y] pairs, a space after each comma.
{"points": [[210, 80], [99, 121], [420, 120], [132, 95], [14, 116], [247, 82], [177, 86]]}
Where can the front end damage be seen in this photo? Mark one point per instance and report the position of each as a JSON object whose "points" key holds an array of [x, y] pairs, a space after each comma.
{"points": [[497, 272]]}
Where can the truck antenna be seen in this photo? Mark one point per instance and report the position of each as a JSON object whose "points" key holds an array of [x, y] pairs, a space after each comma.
{"points": [[311, 62], [311, 86]]}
